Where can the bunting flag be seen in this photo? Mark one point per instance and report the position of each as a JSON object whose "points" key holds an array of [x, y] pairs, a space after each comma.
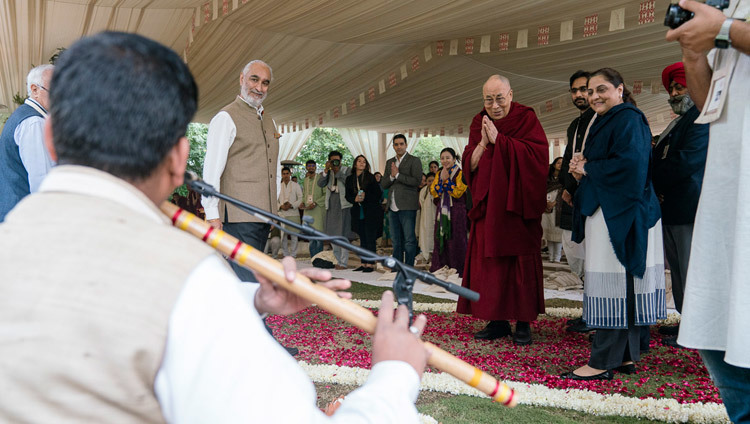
{"points": [[542, 35], [484, 46], [504, 40], [411, 133], [294, 127], [523, 39], [646, 12], [637, 87], [469, 45], [225, 8], [566, 30], [591, 25], [655, 86], [206, 13], [617, 19]]}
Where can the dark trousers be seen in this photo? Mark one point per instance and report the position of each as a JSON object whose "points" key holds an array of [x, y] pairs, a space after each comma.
{"points": [[677, 240], [253, 233], [403, 235], [612, 347], [367, 237]]}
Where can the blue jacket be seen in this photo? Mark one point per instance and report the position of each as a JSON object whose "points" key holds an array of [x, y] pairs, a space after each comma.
{"points": [[14, 180], [678, 175], [618, 179]]}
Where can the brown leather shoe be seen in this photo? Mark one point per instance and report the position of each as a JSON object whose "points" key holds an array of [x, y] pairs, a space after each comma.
{"points": [[340, 267]]}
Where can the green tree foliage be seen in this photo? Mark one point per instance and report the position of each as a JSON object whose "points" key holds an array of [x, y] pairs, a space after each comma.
{"points": [[197, 134], [321, 142], [428, 150]]}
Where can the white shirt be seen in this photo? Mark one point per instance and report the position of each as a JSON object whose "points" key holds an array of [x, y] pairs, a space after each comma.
{"points": [[220, 364], [716, 310], [221, 135], [393, 206], [29, 136], [290, 192]]}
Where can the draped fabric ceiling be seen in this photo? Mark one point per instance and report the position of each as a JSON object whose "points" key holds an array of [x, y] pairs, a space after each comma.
{"points": [[380, 65]]}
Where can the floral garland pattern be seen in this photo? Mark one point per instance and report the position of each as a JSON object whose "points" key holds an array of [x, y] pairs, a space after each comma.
{"points": [[671, 385], [668, 410]]}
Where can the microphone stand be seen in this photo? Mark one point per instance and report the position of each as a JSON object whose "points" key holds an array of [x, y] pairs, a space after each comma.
{"points": [[406, 275]]}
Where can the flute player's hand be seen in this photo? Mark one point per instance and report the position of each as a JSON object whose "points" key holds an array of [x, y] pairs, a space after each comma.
{"points": [[273, 299], [393, 341]]}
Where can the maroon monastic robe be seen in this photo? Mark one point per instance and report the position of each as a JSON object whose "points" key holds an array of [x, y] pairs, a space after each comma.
{"points": [[508, 189]]}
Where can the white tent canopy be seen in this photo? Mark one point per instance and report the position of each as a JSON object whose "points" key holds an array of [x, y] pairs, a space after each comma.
{"points": [[377, 65]]}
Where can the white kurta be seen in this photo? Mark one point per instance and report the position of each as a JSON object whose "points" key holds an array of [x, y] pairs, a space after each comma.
{"points": [[716, 310], [426, 222]]}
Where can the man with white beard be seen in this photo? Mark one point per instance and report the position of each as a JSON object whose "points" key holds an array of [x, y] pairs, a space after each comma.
{"points": [[242, 152], [679, 159]]}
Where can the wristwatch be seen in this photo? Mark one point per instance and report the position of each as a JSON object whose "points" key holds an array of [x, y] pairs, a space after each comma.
{"points": [[722, 40]]}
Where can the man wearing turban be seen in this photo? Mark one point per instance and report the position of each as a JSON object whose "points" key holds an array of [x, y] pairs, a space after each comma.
{"points": [[678, 162]]}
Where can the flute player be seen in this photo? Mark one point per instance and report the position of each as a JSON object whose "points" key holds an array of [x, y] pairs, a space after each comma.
{"points": [[111, 315]]}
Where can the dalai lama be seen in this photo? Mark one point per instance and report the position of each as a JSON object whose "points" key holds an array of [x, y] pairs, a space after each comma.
{"points": [[506, 164]]}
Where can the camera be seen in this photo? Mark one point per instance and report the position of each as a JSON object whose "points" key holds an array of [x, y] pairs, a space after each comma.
{"points": [[677, 16], [335, 162]]}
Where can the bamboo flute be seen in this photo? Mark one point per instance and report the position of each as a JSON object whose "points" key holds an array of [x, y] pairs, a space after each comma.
{"points": [[328, 300]]}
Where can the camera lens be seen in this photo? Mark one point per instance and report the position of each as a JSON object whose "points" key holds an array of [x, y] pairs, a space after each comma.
{"points": [[677, 16]]}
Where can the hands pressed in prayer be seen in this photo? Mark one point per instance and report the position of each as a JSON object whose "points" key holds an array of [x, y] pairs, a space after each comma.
{"points": [[394, 169], [444, 175], [576, 167], [273, 299], [489, 130]]}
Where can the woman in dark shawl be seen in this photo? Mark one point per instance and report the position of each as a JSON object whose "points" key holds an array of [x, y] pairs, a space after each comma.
{"points": [[364, 193], [618, 214]]}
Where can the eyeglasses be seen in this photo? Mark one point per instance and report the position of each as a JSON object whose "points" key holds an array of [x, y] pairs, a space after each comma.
{"points": [[583, 89], [42, 87], [501, 100]]}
